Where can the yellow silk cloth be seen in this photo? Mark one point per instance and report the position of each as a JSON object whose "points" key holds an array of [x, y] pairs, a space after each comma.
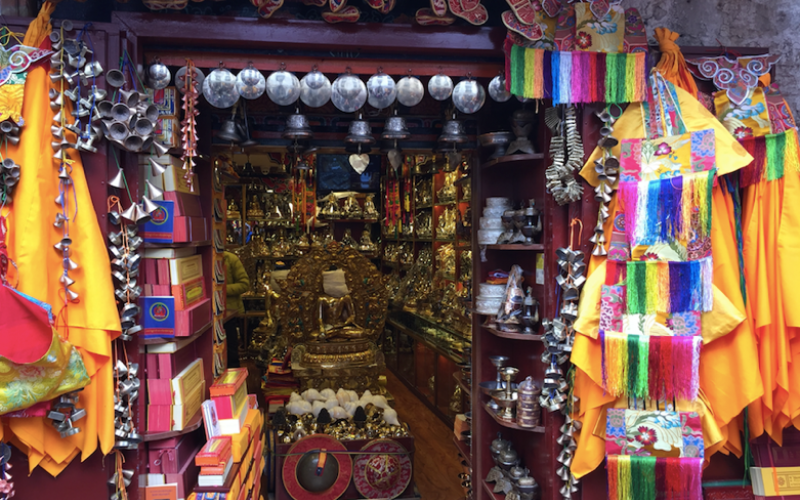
{"points": [[672, 65], [729, 377], [92, 322], [771, 226]]}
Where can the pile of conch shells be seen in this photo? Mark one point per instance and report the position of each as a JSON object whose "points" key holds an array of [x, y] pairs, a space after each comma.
{"points": [[342, 414]]}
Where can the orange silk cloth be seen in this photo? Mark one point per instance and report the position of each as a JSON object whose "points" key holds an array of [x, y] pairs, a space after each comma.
{"points": [[92, 322], [672, 65], [729, 376], [771, 227]]}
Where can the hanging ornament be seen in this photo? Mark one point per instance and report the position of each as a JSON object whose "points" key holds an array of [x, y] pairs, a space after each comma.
{"points": [[180, 76], [440, 87], [315, 89], [566, 152], [219, 88], [410, 91], [189, 123], [348, 92], [497, 89], [250, 83], [381, 90], [469, 96], [283, 87], [158, 75]]}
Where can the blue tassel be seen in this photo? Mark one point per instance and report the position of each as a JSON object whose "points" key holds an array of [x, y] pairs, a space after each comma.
{"points": [[652, 221], [555, 71]]}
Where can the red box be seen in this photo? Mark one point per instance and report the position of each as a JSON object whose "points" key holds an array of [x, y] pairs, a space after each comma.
{"points": [[229, 382], [162, 266], [192, 320], [169, 365], [166, 455], [159, 391], [189, 229], [159, 418], [186, 478], [217, 451], [150, 271], [186, 205], [189, 293]]}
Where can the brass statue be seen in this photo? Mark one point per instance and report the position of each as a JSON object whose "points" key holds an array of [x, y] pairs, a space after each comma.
{"points": [[254, 208], [334, 329], [233, 209]]}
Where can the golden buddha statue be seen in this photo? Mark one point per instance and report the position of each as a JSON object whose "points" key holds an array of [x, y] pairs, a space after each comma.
{"points": [[365, 245], [448, 192], [333, 307], [370, 212], [254, 208], [348, 239], [233, 209], [352, 209]]}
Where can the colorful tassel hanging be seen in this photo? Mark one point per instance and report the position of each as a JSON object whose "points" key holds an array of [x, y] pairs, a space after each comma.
{"points": [[613, 475], [615, 272], [792, 156], [576, 77], [669, 287], [648, 366], [632, 477], [776, 150]]}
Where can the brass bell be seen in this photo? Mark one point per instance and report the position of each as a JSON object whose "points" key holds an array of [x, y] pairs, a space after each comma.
{"points": [[229, 132], [297, 128], [395, 129], [453, 133]]}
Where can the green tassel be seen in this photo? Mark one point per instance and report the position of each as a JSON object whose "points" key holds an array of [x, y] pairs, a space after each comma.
{"points": [[517, 69], [643, 478], [642, 380], [611, 91], [636, 288], [633, 363], [776, 152]]}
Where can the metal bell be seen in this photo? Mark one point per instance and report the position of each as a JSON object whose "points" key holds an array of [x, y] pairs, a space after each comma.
{"points": [[160, 148], [120, 112], [130, 213], [359, 132], [229, 132], [71, 296], [297, 128], [153, 191], [395, 129], [118, 181], [115, 78], [453, 132], [133, 143], [148, 205], [563, 473], [93, 69], [141, 215], [131, 98], [158, 168]]}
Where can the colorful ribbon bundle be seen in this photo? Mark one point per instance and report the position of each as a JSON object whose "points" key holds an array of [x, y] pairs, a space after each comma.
{"points": [[669, 209], [631, 477], [669, 287], [772, 155], [648, 366], [563, 76]]}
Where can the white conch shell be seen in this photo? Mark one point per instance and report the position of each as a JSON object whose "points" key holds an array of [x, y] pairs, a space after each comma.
{"points": [[299, 407], [390, 416], [366, 395], [380, 402], [312, 395], [364, 401], [316, 407], [331, 403], [353, 396], [342, 397], [338, 412], [351, 408], [327, 394], [295, 397]]}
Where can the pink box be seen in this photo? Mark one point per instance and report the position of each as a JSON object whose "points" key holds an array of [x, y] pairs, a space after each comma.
{"points": [[186, 205], [165, 456], [150, 271], [169, 365], [159, 391], [159, 418], [190, 321], [186, 478], [189, 229]]}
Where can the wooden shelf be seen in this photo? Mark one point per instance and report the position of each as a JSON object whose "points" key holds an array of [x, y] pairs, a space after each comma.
{"points": [[512, 425], [536, 247], [513, 160], [489, 489], [189, 339], [444, 203], [445, 240], [423, 207], [149, 244], [464, 389], [515, 336], [362, 221], [194, 424], [464, 449]]}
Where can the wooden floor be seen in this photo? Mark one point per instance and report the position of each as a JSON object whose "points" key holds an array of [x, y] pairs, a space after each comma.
{"points": [[436, 461]]}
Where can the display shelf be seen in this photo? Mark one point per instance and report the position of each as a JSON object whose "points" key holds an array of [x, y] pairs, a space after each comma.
{"points": [[445, 203], [464, 388], [427, 340], [536, 247], [362, 221], [194, 424], [489, 489], [512, 425], [445, 240], [188, 339], [510, 335], [440, 326], [464, 449], [423, 207], [424, 240], [513, 160], [395, 265], [184, 244]]}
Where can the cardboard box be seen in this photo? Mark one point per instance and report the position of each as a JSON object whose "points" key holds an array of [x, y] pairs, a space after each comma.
{"points": [[185, 269], [250, 431], [173, 179], [186, 204], [186, 478], [186, 381], [234, 425], [189, 293], [158, 315], [160, 228], [168, 131], [229, 382]]}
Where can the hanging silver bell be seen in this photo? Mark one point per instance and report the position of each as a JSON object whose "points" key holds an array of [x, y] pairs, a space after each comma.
{"points": [[359, 133], [395, 129], [158, 168], [297, 128], [229, 132], [453, 132]]}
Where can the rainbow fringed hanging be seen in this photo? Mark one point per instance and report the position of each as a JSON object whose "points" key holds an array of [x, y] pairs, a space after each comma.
{"points": [[667, 210], [576, 77], [654, 367], [669, 287], [632, 477], [773, 155]]}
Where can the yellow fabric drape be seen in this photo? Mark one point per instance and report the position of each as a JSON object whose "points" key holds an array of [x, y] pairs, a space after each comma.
{"points": [[92, 322], [672, 65], [729, 378]]}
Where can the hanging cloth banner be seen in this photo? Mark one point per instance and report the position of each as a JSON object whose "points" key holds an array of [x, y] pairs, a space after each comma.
{"points": [[576, 77], [647, 433], [650, 366], [669, 287]]}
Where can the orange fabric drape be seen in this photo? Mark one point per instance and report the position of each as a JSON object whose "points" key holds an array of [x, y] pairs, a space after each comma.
{"points": [[92, 322], [672, 65]]}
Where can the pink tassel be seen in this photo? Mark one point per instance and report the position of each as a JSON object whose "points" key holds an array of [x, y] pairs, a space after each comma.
{"points": [[697, 344]]}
